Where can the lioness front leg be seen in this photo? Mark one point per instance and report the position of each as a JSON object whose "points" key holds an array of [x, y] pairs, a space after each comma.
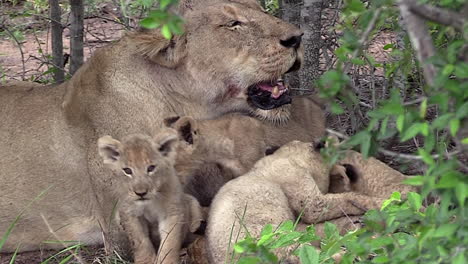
{"points": [[170, 231], [138, 234]]}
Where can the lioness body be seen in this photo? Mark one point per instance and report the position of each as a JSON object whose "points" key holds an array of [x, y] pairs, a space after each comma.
{"points": [[48, 133]]}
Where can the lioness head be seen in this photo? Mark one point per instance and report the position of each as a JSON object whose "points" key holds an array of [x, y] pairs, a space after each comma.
{"points": [[234, 51], [143, 164]]}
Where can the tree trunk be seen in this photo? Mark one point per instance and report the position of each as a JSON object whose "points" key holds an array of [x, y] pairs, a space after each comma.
{"points": [[311, 24], [57, 44], [291, 12], [76, 35]]}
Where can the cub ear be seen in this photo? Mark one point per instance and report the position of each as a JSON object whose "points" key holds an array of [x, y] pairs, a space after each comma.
{"points": [[187, 128], [109, 149], [165, 52], [167, 141]]}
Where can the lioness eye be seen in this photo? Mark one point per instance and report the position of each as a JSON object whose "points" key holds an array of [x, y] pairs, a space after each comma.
{"points": [[234, 23], [127, 171], [151, 168]]}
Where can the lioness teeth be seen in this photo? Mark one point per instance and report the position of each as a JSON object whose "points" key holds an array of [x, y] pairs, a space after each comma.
{"points": [[275, 91]]}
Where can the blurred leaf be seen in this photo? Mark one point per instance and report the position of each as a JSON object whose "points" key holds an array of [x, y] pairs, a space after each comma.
{"points": [[461, 192], [454, 126], [400, 122], [412, 131], [249, 260], [149, 23], [445, 230], [426, 157], [166, 32], [308, 255], [423, 109], [415, 200]]}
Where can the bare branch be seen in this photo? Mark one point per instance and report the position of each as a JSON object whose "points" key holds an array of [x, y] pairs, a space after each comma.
{"points": [[438, 15], [420, 39]]}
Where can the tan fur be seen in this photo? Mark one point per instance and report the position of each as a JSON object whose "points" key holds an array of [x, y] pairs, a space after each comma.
{"points": [[48, 133], [370, 177], [278, 188], [152, 207], [250, 139]]}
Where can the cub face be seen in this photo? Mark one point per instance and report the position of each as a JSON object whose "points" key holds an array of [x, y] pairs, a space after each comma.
{"points": [[141, 164]]}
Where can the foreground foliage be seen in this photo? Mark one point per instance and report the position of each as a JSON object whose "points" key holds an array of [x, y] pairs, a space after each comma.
{"points": [[430, 227]]}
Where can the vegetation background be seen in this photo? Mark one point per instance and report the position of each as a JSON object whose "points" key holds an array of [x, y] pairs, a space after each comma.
{"points": [[394, 73]]}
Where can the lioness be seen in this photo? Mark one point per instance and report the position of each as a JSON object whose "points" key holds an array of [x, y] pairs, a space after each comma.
{"points": [[278, 188], [228, 60], [152, 204]]}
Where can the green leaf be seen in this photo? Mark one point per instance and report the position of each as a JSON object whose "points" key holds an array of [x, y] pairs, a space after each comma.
{"points": [[465, 141], [412, 131], [267, 229], [249, 260], [286, 240], [308, 255], [336, 109], [380, 259], [400, 122], [396, 196], [426, 157], [330, 230], [166, 32], [415, 200], [442, 121], [388, 46], [286, 226], [149, 23], [446, 230], [460, 258], [448, 69], [461, 71], [164, 3], [454, 126], [448, 180], [461, 192], [239, 248], [462, 111], [423, 109], [355, 6]]}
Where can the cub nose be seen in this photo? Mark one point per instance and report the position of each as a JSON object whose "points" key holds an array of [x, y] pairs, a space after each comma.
{"points": [[292, 41], [141, 192]]}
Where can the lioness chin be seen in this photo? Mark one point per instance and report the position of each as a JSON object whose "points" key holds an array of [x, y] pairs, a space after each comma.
{"points": [[228, 60]]}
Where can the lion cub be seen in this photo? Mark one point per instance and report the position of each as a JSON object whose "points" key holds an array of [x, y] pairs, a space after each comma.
{"points": [[153, 208]]}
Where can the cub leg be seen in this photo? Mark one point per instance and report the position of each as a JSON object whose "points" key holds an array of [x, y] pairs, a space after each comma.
{"points": [[138, 234], [171, 232]]}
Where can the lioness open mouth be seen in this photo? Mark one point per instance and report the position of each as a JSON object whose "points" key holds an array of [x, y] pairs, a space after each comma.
{"points": [[269, 95]]}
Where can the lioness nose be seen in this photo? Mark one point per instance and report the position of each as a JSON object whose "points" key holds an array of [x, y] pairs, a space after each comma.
{"points": [[292, 41]]}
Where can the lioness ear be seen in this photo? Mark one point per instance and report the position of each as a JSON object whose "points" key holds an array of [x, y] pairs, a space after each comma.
{"points": [[165, 52], [167, 141], [109, 149]]}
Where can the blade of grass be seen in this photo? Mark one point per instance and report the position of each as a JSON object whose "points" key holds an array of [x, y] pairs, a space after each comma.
{"points": [[12, 225]]}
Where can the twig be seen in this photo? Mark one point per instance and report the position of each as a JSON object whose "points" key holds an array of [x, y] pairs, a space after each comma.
{"points": [[363, 40], [20, 49], [396, 154]]}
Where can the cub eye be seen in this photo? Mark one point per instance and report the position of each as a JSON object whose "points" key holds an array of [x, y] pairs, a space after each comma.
{"points": [[127, 171], [151, 168]]}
